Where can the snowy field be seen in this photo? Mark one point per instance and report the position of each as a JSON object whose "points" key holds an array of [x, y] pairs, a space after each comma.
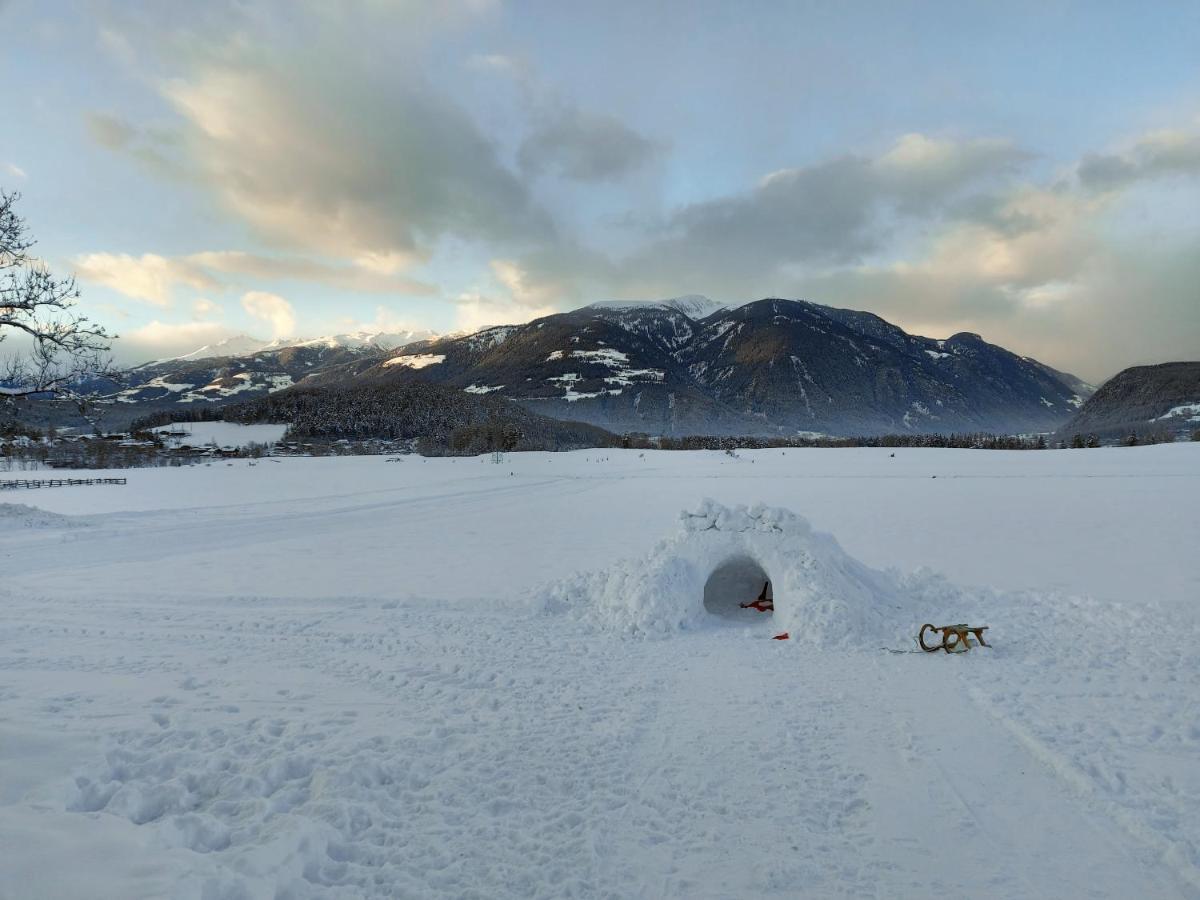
{"points": [[348, 677]]}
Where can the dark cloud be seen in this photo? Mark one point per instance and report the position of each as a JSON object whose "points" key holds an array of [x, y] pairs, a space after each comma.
{"points": [[583, 146], [155, 148], [1105, 171], [1161, 154], [110, 131], [829, 213]]}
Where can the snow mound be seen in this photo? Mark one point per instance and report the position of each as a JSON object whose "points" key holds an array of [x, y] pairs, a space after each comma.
{"points": [[18, 515], [822, 595]]}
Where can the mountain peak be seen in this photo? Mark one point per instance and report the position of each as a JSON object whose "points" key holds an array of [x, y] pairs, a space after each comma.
{"points": [[694, 306], [237, 345], [356, 340]]}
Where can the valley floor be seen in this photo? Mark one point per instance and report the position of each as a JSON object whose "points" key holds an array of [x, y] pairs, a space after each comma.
{"points": [[326, 678]]}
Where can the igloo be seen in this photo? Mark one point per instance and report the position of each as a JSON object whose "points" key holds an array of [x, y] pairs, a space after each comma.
{"points": [[721, 557]]}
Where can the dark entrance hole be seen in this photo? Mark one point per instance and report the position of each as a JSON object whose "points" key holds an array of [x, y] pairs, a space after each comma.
{"points": [[735, 583]]}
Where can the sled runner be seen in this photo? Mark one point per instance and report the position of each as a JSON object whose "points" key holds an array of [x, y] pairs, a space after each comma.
{"points": [[954, 638]]}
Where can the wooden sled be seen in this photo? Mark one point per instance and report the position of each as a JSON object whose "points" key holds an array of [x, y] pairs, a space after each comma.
{"points": [[955, 638]]}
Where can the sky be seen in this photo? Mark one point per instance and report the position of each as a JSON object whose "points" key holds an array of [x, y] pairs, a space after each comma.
{"points": [[1026, 171]]}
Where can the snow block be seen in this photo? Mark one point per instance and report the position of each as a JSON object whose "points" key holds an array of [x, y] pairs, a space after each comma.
{"points": [[821, 595]]}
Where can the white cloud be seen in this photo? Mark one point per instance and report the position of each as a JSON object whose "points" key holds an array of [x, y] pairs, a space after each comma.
{"points": [[204, 309], [273, 309], [153, 278], [513, 67], [523, 289], [369, 274], [346, 160], [14, 170], [162, 340], [149, 277], [476, 311]]}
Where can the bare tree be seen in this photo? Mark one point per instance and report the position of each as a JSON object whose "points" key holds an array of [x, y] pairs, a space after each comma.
{"points": [[63, 347]]}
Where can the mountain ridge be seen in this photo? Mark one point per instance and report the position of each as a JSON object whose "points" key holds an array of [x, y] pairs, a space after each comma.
{"points": [[682, 366], [767, 367], [1164, 396]]}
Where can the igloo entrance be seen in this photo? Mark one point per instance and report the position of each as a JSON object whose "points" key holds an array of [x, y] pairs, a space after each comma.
{"points": [[735, 583]]}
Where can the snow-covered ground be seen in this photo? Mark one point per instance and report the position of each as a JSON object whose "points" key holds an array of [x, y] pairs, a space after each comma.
{"points": [[349, 677]]}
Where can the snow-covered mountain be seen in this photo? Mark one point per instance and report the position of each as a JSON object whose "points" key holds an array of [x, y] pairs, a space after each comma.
{"points": [[238, 345], [694, 306], [243, 367], [356, 340], [243, 345], [691, 366], [685, 365]]}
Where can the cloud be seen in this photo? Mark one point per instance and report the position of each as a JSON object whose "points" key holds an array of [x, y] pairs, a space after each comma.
{"points": [[204, 309], [322, 132], [368, 274], [919, 172], [110, 131], [563, 139], [513, 67], [1064, 288], [155, 148], [583, 146], [149, 277], [153, 278], [385, 320], [14, 170], [1158, 154], [346, 160], [161, 340], [938, 236], [1104, 309], [833, 212], [522, 289], [273, 309], [476, 311]]}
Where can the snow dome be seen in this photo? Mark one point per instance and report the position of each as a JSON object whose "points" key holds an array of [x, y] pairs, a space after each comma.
{"points": [[724, 557]]}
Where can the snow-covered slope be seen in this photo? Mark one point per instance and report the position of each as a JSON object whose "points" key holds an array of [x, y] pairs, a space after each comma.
{"points": [[329, 678], [242, 368], [357, 340], [694, 306], [244, 345], [238, 345]]}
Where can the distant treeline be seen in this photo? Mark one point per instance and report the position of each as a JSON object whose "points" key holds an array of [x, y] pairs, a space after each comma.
{"points": [[965, 441], [438, 420], [1132, 435], [971, 441]]}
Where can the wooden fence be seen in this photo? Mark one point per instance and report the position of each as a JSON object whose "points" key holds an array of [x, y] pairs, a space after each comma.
{"points": [[57, 482]]}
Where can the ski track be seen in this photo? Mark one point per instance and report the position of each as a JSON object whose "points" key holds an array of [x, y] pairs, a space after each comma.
{"points": [[293, 743]]}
